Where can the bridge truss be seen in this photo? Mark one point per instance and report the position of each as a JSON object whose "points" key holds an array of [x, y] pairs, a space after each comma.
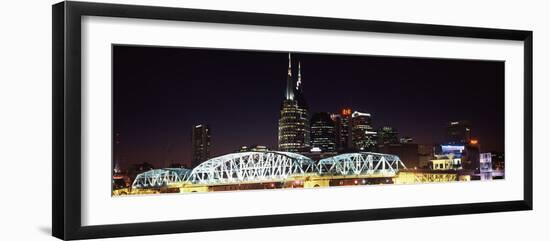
{"points": [[160, 177], [251, 167], [361, 163], [269, 166]]}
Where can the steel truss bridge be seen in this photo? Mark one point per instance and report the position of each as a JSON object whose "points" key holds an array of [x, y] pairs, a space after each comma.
{"points": [[272, 166], [362, 163], [160, 177]]}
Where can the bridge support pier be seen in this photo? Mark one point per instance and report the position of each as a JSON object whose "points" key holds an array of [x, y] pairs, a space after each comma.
{"points": [[194, 189], [316, 183]]}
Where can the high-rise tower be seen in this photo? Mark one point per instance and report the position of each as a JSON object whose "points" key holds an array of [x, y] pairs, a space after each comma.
{"points": [[322, 132], [388, 135], [459, 132], [362, 134], [294, 130], [342, 122], [200, 144]]}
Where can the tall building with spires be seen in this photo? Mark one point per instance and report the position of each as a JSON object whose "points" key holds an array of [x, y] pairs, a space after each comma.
{"points": [[294, 133]]}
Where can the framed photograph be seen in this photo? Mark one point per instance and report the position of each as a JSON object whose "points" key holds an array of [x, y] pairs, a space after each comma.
{"points": [[169, 120]]}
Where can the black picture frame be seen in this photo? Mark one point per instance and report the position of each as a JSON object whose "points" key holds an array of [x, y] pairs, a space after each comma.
{"points": [[66, 75]]}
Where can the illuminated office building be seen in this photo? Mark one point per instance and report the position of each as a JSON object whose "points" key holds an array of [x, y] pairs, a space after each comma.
{"points": [[497, 158], [322, 132], [472, 155], [294, 133], [485, 163], [200, 144], [362, 134], [388, 135], [342, 123], [459, 132], [337, 120]]}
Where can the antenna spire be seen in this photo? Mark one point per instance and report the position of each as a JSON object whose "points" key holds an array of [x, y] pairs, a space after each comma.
{"points": [[289, 94], [289, 66], [299, 76]]}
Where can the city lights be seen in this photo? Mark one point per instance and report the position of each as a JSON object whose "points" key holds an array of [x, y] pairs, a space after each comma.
{"points": [[331, 142]]}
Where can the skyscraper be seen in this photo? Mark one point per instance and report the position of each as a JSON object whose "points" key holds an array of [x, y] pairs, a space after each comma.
{"points": [[362, 134], [459, 135], [388, 135], [342, 121], [322, 132], [294, 125], [337, 120], [470, 159], [459, 132], [200, 144]]}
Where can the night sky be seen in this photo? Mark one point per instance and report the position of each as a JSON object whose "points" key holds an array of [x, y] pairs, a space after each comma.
{"points": [[160, 93]]}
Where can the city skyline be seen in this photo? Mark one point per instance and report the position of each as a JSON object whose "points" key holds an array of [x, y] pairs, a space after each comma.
{"points": [[160, 93]]}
